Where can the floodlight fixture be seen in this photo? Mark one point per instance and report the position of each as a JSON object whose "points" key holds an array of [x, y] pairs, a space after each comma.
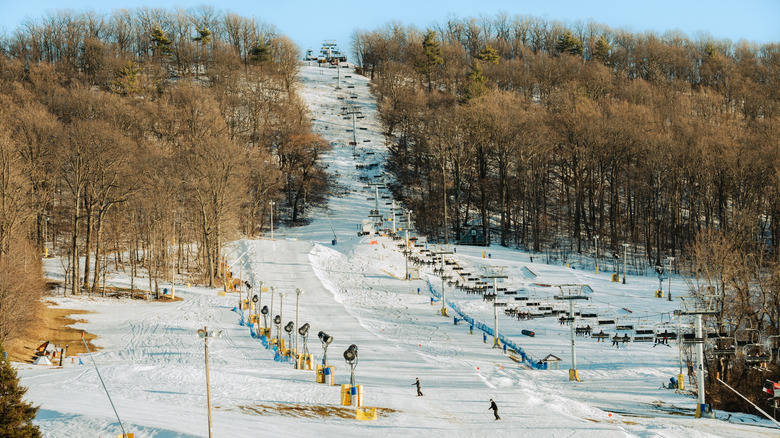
{"points": [[326, 339], [298, 293], [350, 354], [248, 284], [289, 327], [277, 319], [255, 298], [264, 310], [304, 332]]}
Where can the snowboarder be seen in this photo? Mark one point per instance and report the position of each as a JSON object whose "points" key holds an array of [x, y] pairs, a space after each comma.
{"points": [[417, 382], [494, 407]]}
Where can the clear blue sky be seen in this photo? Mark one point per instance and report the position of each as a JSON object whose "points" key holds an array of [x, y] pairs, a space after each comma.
{"points": [[308, 22]]}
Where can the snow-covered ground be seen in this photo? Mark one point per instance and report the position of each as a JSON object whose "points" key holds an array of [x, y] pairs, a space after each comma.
{"points": [[153, 362]]}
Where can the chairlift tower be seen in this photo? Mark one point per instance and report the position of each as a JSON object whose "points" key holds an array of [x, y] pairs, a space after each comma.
{"points": [[625, 261], [570, 293], [338, 76], [705, 307], [352, 111], [392, 209], [407, 251], [441, 254], [495, 272]]}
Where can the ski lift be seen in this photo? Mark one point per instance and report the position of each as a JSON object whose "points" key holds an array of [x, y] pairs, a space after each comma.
{"points": [[644, 332], [522, 294], [546, 309], [560, 309], [688, 333], [725, 346], [666, 330], [623, 324], [755, 354], [589, 312], [751, 337], [607, 318]]}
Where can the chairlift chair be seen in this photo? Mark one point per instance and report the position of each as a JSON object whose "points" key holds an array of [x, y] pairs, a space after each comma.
{"points": [[644, 332], [589, 312], [755, 354], [607, 318], [667, 330], [725, 346]]}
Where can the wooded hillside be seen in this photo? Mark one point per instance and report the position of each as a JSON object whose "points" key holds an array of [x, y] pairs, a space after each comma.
{"points": [[546, 135], [152, 135], [558, 138]]}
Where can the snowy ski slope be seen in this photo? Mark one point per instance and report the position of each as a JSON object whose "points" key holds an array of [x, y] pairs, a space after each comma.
{"points": [[152, 360]]}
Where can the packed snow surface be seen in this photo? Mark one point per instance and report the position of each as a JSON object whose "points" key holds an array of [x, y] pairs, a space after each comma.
{"points": [[152, 360]]}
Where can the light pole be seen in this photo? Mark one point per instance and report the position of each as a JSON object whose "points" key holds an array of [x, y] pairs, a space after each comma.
{"points": [[671, 259], [272, 203], [206, 335], [407, 250], [281, 314], [443, 286], [298, 293], [271, 310], [227, 269], [596, 239], [259, 300], [406, 254], [625, 263]]}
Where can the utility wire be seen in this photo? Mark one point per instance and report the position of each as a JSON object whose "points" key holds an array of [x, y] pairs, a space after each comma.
{"points": [[124, 434]]}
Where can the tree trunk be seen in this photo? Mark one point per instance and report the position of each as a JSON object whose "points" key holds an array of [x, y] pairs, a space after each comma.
{"points": [[98, 228], [88, 207], [74, 244]]}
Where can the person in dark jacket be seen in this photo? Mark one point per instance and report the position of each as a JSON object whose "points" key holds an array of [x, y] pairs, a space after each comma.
{"points": [[417, 382], [494, 407]]}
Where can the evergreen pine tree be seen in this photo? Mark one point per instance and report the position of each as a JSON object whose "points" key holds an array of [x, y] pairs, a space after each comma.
{"points": [[126, 79], [204, 35], [433, 57], [568, 43], [602, 50], [260, 52], [16, 416], [476, 85], [203, 38], [489, 54], [162, 44]]}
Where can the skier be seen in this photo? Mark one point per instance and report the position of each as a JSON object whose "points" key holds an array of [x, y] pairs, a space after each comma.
{"points": [[417, 382], [494, 407]]}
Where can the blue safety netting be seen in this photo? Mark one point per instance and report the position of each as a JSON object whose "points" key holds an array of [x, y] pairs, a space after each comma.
{"points": [[481, 326], [242, 321], [263, 339]]}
